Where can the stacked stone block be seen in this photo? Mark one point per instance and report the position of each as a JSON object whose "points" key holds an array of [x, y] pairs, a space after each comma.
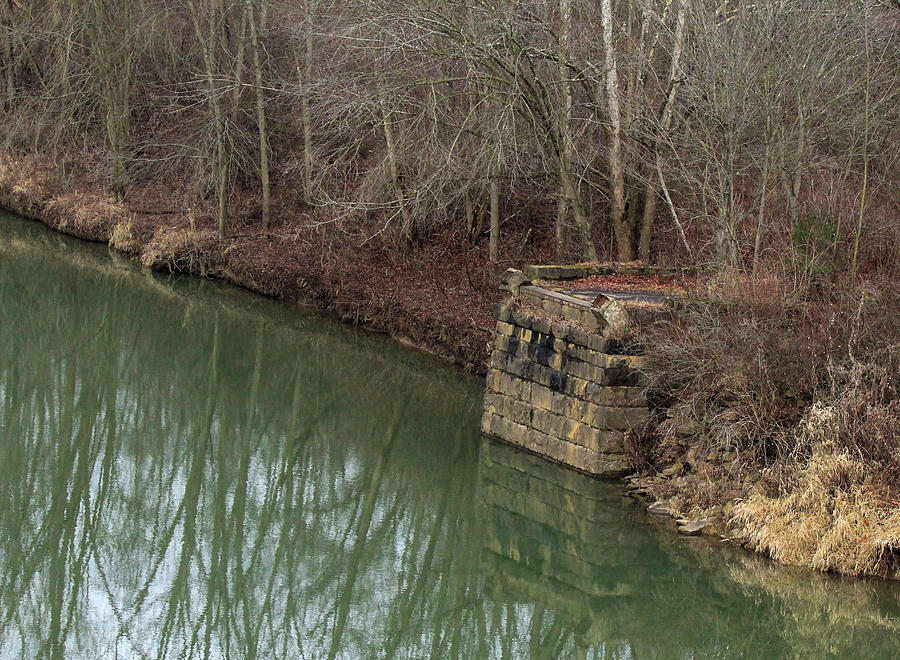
{"points": [[558, 389]]}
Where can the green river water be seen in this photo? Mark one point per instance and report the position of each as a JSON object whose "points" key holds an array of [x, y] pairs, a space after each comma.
{"points": [[191, 471]]}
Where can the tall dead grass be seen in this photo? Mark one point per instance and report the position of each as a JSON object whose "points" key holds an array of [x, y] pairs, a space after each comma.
{"points": [[837, 515]]}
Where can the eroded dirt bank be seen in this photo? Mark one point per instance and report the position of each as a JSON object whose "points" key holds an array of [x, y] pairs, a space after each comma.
{"points": [[421, 300]]}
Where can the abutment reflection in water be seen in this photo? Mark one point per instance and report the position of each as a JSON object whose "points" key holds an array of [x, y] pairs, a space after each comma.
{"points": [[191, 471]]}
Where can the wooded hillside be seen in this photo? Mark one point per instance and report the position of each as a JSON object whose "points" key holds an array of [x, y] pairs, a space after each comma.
{"points": [[677, 131]]}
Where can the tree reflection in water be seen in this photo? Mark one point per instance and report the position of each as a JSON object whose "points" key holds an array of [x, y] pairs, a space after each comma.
{"points": [[192, 472]]}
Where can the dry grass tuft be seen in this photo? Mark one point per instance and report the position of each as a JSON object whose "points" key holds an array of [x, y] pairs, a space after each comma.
{"points": [[23, 184], [123, 238], [87, 215], [19, 169], [183, 250], [837, 516]]}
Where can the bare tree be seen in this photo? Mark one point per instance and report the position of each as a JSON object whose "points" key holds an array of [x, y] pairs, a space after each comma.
{"points": [[261, 112], [406, 120], [113, 31], [209, 21]]}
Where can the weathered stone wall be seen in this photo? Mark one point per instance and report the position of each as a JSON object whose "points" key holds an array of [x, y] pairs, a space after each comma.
{"points": [[560, 386]]}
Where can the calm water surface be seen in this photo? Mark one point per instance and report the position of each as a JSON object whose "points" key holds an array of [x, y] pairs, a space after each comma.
{"points": [[189, 471]]}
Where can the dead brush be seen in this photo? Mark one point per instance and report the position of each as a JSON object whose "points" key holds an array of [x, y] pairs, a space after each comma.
{"points": [[24, 185], [840, 510], [810, 394], [88, 215], [745, 376], [640, 445], [22, 177], [734, 375], [865, 413]]}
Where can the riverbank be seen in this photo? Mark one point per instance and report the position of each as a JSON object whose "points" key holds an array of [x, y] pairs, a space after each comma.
{"points": [[768, 422], [420, 299], [778, 424], [751, 491], [211, 448]]}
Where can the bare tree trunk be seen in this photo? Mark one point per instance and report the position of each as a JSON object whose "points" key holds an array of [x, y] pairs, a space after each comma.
{"points": [[570, 194], [582, 223], [112, 34], [221, 172], [118, 121], [651, 195], [239, 64], [64, 80], [865, 154], [647, 220], [474, 218], [11, 42], [406, 226], [665, 190], [261, 121], [9, 62], [624, 237], [791, 174], [210, 45], [562, 212], [118, 130], [763, 196], [495, 221], [306, 81], [565, 120]]}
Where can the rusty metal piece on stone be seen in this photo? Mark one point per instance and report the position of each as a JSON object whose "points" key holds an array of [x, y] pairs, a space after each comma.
{"points": [[616, 317]]}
